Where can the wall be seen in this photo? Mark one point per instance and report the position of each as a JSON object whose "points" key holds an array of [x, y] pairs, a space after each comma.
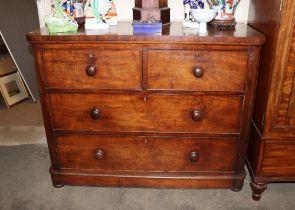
{"points": [[124, 9], [15, 23]]}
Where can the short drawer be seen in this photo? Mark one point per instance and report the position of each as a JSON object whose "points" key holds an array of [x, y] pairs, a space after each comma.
{"points": [[93, 69], [279, 159], [146, 154], [148, 113], [197, 70]]}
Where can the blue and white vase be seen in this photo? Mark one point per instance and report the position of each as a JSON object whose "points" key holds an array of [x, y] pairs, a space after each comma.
{"points": [[188, 21]]}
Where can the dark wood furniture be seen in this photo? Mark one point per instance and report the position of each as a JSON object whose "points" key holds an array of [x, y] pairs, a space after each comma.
{"points": [[169, 110], [272, 145]]}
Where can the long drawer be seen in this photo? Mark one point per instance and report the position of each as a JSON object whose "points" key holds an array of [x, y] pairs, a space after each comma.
{"points": [[197, 70], [149, 113], [279, 159], [93, 69], [110, 153]]}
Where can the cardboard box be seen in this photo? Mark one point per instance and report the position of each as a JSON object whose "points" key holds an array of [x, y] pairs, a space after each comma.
{"points": [[7, 65]]}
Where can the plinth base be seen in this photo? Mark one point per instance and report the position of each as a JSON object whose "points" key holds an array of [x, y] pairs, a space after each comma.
{"points": [[224, 24]]}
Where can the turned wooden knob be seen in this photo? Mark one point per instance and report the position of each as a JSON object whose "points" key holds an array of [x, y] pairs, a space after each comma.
{"points": [[198, 72], [91, 70], [99, 154], [197, 115], [194, 156], [95, 113]]}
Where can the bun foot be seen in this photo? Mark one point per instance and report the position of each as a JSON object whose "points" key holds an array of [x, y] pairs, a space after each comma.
{"points": [[58, 185], [257, 190], [236, 189], [238, 185]]}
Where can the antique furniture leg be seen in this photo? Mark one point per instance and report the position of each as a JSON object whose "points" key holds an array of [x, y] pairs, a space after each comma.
{"points": [[58, 185], [257, 189], [238, 185]]}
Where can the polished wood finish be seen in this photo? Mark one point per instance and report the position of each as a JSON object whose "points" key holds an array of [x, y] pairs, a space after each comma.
{"points": [[271, 147], [91, 70], [291, 66], [172, 34], [95, 113], [258, 188], [198, 72], [117, 113], [105, 68], [220, 70], [146, 154], [149, 113], [277, 158], [99, 154]]}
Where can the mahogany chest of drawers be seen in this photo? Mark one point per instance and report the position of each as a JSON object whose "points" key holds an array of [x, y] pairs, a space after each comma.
{"points": [[170, 110]]}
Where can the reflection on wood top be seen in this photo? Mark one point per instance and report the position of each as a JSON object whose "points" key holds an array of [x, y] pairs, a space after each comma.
{"points": [[243, 35]]}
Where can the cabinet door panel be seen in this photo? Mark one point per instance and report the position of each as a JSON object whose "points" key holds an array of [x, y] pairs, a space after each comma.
{"points": [[286, 112]]}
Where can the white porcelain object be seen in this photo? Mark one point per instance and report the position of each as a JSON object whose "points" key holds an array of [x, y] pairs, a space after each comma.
{"points": [[190, 24], [203, 16], [94, 10], [91, 23]]}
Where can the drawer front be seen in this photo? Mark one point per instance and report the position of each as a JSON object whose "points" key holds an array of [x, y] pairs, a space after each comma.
{"points": [[150, 113], [101, 69], [279, 159], [197, 70], [146, 154]]}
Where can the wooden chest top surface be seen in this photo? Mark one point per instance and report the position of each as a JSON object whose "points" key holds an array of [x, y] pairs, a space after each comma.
{"points": [[243, 35]]}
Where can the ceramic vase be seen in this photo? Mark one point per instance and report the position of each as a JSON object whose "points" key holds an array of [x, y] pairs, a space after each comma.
{"points": [[226, 12], [188, 21]]}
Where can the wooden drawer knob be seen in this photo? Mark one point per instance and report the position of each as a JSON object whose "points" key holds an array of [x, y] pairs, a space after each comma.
{"points": [[194, 156], [91, 70], [95, 113], [99, 154], [198, 72], [197, 115]]}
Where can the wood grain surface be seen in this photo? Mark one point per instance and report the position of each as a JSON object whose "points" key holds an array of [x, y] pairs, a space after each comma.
{"points": [[174, 70], [114, 68], [272, 140], [279, 159], [147, 154], [174, 33], [153, 113]]}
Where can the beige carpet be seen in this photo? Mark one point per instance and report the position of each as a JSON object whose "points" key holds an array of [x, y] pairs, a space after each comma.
{"points": [[21, 124]]}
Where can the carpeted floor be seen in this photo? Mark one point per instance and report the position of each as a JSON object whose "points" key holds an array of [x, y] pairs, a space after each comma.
{"points": [[21, 124], [26, 185]]}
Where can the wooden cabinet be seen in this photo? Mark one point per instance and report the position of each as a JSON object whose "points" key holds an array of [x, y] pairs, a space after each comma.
{"points": [[170, 110], [272, 142]]}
